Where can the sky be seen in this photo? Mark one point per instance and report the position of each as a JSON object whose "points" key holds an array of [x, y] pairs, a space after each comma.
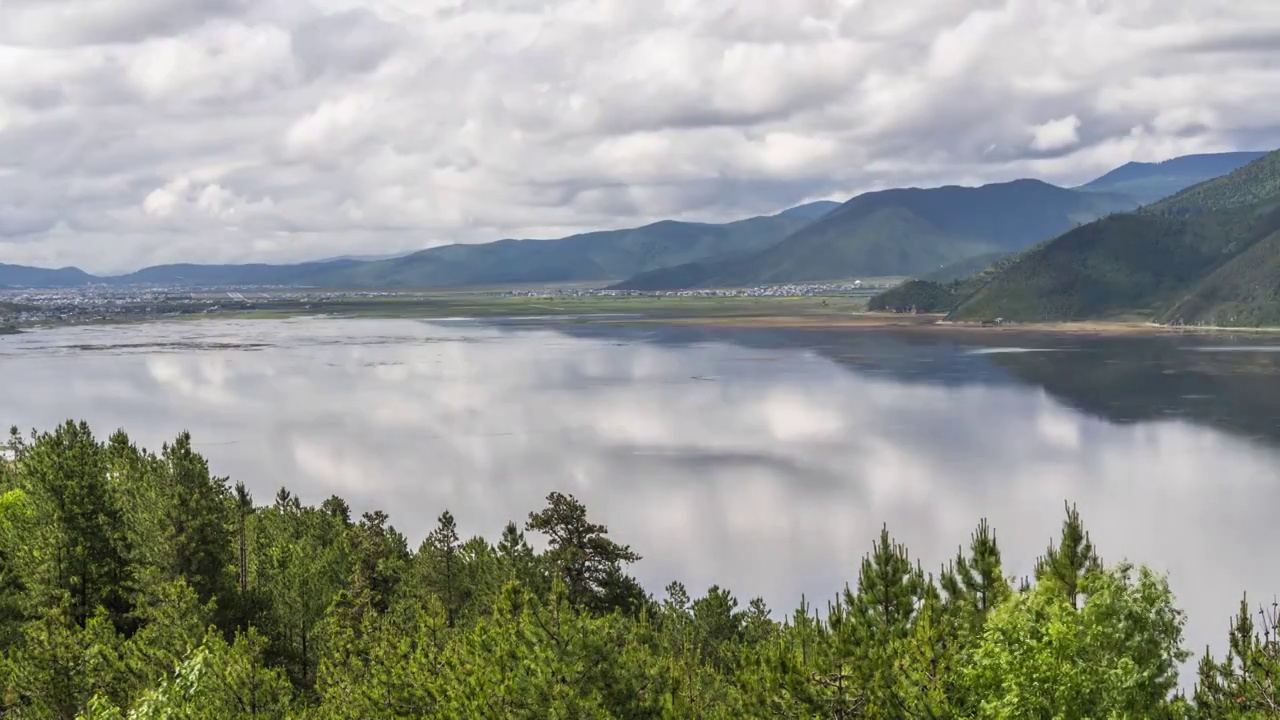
{"points": [[137, 132]]}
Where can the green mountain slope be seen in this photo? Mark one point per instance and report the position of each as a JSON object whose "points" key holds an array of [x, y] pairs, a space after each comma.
{"points": [[965, 268], [1244, 291], [1148, 182], [921, 296], [943, 291], [598, 256], [1209, 254], [1256, 182], [903, 232]]}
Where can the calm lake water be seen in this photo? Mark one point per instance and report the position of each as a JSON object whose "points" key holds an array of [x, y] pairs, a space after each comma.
{"points": [[764, 461]]}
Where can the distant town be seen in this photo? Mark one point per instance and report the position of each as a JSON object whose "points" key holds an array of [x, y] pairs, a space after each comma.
{"points": [[28, 308], [854, 287], [102, 304]]}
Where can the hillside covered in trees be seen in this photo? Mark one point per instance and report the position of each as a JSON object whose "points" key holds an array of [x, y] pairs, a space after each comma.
{"points": [[942, 291], [138, 585], [1207, 255]]}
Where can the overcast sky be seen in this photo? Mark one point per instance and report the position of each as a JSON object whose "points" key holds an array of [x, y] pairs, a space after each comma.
{"points": [[135, 132]]}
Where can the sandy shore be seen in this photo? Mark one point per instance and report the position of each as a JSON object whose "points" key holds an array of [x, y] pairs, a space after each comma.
{"points": [[936, 323]]}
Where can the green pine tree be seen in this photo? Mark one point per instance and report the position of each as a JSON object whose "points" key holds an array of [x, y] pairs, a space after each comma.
{"points": [[1071, 559], [586, 559]]}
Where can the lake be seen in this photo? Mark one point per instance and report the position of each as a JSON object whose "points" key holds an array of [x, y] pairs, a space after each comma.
{"points": [[765, 461]]}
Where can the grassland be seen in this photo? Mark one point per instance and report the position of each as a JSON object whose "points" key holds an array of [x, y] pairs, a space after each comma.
{"points": [[584, 308], [842, 313]]}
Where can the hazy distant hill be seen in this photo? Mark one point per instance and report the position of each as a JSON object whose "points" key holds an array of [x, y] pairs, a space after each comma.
{"points": [[1209, 254], [591, 257], [253, 274], [21, 276], [364, 258], [1148, 182], [813, 210], [902, 232]]}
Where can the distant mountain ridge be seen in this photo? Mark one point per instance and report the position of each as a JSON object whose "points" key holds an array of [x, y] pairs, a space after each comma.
{"points": [[902, 232], [601, 256], [813, 210], [1148, 182], [251, 274], [26, 276]]}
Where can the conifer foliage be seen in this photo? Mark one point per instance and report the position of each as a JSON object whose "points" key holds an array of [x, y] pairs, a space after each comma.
{"points": [[138, 586]]}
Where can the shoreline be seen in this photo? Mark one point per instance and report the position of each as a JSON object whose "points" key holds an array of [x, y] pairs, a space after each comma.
{"points": [[936, 323], [871, 321]]}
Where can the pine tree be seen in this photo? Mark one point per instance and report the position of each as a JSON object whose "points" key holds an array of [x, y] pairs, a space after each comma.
{"points": [[338, 509], [74, 546], [379, 558], [301, 562], [890, 588], [60, 665], [758, 626], [981, 574], [869, 625], [199, 520], [927, 662], [719, 626], [244, 508], [442, 567], [1247, 683], [589, 562], [520, 562], [1071, 559]]}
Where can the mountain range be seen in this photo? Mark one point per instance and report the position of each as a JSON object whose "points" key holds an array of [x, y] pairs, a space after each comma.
{"points": [[902, 232], [23, 276], [598, 256], [1208, 255], [909, 231], [919, 231], [1149, 182]]}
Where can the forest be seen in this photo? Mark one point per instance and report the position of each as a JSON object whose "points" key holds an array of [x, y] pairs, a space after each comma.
{"points": [[136, 584]]}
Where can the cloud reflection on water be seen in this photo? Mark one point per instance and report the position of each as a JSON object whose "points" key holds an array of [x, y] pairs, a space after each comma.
{"points": [[771, 479]]}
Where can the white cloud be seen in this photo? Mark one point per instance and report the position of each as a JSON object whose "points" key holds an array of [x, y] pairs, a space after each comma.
{"points": [[182, 203], [334, 126], [391, 124], [1057, 134], [213, 63]]}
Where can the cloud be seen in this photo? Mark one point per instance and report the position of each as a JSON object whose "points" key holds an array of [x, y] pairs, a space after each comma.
{"points": [[1057, 134], [381, 125]]}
